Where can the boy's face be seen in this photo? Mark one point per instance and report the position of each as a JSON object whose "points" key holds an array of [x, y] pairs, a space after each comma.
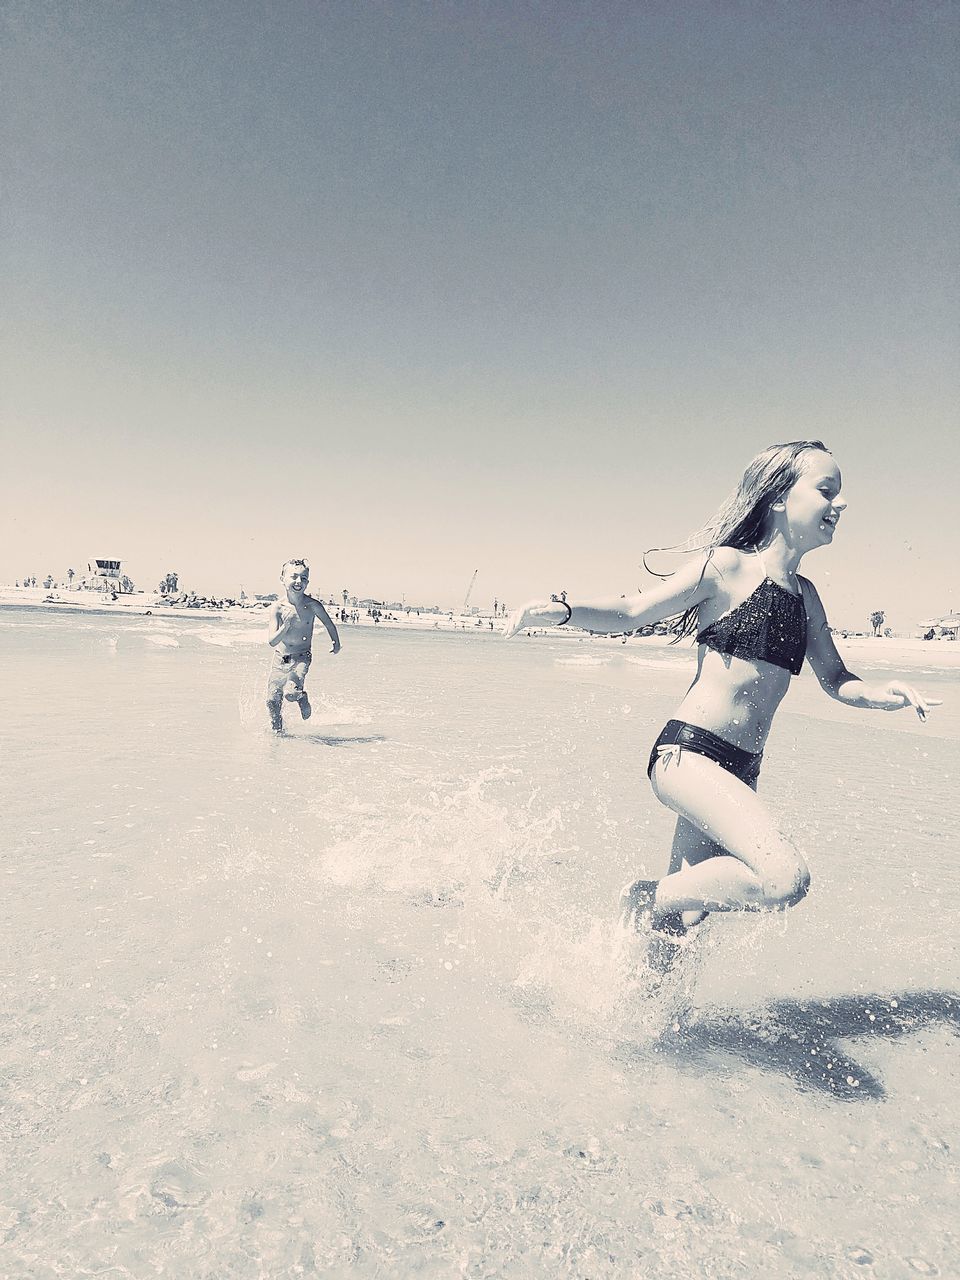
{"points": [[295, 577]]}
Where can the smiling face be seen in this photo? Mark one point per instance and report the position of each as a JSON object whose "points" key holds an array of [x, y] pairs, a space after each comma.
{"points": [[813, 505], [295, 576]]}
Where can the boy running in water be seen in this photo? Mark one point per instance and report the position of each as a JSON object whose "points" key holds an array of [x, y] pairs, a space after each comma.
{"points": [[290, 635]]}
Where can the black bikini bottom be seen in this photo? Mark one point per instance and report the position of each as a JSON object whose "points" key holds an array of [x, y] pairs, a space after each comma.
{"points": [[677, 734]]}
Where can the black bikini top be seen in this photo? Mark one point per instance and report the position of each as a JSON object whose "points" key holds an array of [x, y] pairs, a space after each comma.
{"points": [[771, 624]]}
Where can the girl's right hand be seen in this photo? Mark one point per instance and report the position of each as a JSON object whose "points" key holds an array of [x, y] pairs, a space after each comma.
{"points": [[535, 613], [905, 695]]}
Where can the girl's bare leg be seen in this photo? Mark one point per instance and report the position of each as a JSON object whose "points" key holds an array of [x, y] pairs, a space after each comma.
{"points": [[690, 847], [746, 863]]}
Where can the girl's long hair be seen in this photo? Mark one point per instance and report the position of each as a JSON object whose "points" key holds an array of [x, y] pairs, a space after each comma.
{"points": [[743, 519]]}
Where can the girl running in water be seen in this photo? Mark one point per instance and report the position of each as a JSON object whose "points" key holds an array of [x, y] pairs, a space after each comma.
{"points": [[755, 620]]}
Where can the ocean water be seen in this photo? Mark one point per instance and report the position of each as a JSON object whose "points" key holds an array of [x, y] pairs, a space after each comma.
{"points": [[353, 1002]]}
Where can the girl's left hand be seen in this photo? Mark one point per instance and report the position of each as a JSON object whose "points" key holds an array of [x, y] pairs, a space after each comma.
{"points": [[535, 613], [904, 695]]}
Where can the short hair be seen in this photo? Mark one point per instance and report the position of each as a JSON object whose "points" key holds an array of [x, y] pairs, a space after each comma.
{"points": [[296, 560]]}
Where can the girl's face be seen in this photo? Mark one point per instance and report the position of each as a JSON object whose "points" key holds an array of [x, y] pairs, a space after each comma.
{"points": [[813, 506]]}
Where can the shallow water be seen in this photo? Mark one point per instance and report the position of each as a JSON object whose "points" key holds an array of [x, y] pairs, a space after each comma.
{"points": [[352, 1002]]}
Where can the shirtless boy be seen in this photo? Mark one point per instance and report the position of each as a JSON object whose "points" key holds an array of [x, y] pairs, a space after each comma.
{"points": [[290, 635]]}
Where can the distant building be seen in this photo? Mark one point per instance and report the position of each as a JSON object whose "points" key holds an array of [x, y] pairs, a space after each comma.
{"points": [[110, 570], [947, 626]]}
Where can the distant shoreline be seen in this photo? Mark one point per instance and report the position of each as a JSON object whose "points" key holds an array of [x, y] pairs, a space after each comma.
{"points": [[145, 604], [908, 651], [129, 605]]}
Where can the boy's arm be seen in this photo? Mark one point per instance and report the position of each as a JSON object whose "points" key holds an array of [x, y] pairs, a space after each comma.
{"points": [[321, 613], [276, 624], [843, 685]]}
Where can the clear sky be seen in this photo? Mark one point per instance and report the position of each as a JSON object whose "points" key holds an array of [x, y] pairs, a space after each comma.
{"points": [[418, 288]]}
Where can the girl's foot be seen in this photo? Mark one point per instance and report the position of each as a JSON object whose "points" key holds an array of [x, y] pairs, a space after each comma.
{"points": [[692, 918], [636, 904], [638, 911]]}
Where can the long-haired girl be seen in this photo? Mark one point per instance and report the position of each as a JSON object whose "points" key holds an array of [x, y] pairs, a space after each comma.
{"points": [[755, 620]]}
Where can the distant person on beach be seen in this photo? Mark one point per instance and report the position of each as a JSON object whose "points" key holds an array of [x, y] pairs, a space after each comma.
{"points": [[290, 633], [755, 621]]}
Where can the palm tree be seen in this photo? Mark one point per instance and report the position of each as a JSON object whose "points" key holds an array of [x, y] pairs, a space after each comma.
{"points": [[876, 620]]}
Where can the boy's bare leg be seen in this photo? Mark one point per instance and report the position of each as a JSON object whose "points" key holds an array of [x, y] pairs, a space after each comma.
{"points": [[296, 692], [299, 696], [274, 706], [275, 699]]}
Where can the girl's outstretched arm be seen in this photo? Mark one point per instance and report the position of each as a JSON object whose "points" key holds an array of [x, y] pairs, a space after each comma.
{"points": [[842, 684], [692, 584]]}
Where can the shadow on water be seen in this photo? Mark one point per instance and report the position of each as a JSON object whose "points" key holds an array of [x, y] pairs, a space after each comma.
{"points": [[333, 740], [799, 1038]]}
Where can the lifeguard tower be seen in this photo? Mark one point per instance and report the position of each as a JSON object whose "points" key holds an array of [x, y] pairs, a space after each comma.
{"points": [[104, 575]]}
